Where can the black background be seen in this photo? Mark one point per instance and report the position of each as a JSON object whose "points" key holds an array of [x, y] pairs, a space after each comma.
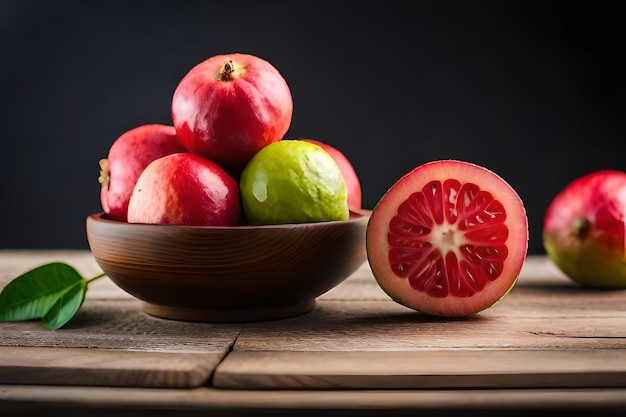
{"points": [[535, 91]]}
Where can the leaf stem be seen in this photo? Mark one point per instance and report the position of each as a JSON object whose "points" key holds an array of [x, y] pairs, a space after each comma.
{"points": [[95, 278]]}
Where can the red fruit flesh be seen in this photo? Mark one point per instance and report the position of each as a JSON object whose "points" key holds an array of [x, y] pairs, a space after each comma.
{"points": [[584, 230], [185, 189], [353, 184], [449, 238], [127, 158], [228, 107]]}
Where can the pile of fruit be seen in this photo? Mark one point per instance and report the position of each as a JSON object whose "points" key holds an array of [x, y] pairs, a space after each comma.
{"points": [[449, 238], [225, 161]]}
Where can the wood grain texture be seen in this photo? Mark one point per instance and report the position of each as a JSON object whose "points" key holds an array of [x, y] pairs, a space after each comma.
{"points": [[112, 342], [385, 326], [71, 366], [437, 369], [228, 274], [153, 402], [547, 332], [122, 325]]}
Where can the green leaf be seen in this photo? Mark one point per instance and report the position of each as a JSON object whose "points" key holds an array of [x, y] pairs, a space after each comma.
{"points": [[34, 293], [65, 308]]}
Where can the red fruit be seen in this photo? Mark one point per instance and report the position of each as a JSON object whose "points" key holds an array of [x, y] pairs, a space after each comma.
{"points": [[229, 107], [185, 189], [349, 174], [128, 156], [449, 238], [584, 229]]}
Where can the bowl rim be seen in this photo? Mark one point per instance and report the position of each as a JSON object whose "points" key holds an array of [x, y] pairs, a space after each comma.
{"points": [[355, 216]]}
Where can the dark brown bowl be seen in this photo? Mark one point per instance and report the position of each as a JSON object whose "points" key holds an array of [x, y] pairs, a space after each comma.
{"points": [[228, 274]]}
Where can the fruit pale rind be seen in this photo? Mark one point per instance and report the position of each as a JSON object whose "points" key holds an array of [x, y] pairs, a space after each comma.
{"points": [[293, 181], [584, 230], [449, 238]]}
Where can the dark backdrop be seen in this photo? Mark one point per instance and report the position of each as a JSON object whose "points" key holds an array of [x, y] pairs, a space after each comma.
{"points": [[535, 91]]}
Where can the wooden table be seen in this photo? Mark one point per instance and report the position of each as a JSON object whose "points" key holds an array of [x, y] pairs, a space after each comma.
{"points": [[549, 346]]}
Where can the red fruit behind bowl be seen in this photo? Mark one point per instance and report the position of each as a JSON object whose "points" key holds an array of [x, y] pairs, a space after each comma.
{"points": [[185, 189], [353, 183], [584, 230], [228, 107], [128, 156]]}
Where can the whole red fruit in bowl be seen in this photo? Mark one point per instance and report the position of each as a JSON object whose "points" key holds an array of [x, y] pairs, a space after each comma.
{"points": [[584, 229], [353, 184], [228, 107], [127, 158], [185, 189]]}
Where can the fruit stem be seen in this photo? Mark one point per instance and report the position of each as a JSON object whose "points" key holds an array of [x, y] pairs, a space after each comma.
{"points": [[104, 177], [226, 74], [581, 226]]}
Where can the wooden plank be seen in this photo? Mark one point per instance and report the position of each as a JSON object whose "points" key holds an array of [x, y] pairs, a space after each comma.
{"points": [[122, 325], [114, 343], [546, 312], [72, 366], [387, 326], [546, 331], [110, 341], [138, 402], [424, 369]]}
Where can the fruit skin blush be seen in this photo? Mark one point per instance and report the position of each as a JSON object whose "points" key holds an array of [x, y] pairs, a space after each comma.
{"points": [[584, 229]]}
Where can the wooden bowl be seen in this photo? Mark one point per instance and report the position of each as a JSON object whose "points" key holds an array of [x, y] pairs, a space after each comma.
{"points": [[228, 274]]}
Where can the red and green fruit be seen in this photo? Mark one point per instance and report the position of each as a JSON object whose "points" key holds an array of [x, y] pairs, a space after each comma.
{"points": [[185, 189], [353, 183], [584, 229], [449, 238], [127, 158], [228, 107]]}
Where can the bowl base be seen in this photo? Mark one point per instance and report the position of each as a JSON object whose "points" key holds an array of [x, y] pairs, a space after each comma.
{"points": [[225, 315]]}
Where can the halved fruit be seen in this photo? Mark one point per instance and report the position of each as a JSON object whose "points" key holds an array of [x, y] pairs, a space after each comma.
{"points": [[449, 238]]}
